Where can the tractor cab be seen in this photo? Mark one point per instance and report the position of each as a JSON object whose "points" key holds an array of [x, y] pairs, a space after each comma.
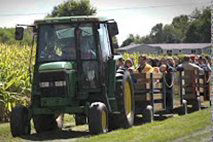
{"points": [[81, 42]]}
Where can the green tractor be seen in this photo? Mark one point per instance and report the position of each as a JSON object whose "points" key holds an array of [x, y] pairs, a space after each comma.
{"points": [[75, 72]]}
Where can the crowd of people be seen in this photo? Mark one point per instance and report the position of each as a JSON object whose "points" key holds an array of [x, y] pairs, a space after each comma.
{"points": [[167, 66], [149, 65]]}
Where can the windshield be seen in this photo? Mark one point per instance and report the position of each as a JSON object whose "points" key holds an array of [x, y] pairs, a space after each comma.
{"points": [[58, 42]]}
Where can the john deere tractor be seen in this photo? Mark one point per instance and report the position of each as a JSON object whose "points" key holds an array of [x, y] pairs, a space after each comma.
{"points": [[75, 72]]}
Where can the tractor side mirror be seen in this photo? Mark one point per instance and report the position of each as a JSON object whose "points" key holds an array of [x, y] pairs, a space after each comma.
{"points": [[113, 28], [35, 29], [19, 33]]}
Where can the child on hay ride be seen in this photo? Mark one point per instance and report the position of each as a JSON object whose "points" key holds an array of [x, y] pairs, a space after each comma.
{"points": [[129, 65]]}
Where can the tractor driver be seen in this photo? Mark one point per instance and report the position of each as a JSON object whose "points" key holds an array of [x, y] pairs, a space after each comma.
{"points": [[69, 51]]}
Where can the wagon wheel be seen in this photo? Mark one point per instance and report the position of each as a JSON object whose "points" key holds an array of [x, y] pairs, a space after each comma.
{"points": [[197, 104]]}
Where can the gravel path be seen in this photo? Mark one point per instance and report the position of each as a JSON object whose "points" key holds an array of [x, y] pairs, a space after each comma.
{"points": [[205, 135]]}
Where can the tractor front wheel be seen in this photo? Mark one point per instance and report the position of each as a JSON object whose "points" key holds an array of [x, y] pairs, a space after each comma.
{"points": [[98, 118], [19, 121]]}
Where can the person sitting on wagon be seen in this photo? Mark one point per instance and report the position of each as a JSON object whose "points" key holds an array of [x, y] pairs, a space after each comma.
{"points": [[177, 61], [168, 70], [120, 63], [156, 70], [155, 63], [207, 71], [209, 60], [187, 65], [129, 65], [170, 62], [205, 65], [144, 67], [194, 59], [162, 61]]}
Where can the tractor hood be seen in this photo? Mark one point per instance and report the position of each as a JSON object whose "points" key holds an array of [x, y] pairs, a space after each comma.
{"points": [[55, 66]]}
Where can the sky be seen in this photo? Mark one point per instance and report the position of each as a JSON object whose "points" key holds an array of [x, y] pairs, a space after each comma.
{"points": [[132, 16]]}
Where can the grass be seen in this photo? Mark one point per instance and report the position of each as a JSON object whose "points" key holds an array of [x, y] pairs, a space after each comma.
{"points": [[185, 128], [163, 131], [5, 135]]}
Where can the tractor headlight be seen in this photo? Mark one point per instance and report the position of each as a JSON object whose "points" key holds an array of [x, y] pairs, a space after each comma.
{"points": [[60, 83], [52, 84], [44, 84]]}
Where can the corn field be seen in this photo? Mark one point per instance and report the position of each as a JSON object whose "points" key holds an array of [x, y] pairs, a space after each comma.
{"points": [[14, 78]]}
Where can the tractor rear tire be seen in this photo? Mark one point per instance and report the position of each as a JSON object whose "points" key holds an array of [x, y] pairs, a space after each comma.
{"points": [[43, 123], [125, 100], [19, 121], [98, 118]]}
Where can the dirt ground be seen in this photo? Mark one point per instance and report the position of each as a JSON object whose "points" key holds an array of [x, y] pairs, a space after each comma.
{"points": [[70, 133]]}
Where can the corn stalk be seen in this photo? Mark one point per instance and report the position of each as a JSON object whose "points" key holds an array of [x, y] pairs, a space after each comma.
{"points": [[15, 83]]}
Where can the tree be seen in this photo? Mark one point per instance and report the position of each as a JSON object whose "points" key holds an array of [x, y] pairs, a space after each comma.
{"points": [[170, 34], [200, 28], [128, 41], [4, 38], [137, 39], [192, 35], [73, 8], [195, 14], [157, 33], [180, 25], [146, 39]]}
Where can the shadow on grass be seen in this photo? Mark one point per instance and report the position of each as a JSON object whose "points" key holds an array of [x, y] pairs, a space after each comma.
{"points": [[163, 115], [138, 121], [158, 116], [54, 135], [64, 134]]}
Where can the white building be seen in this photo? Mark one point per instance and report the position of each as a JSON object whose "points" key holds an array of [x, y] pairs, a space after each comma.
{"points": [[168, 48]]}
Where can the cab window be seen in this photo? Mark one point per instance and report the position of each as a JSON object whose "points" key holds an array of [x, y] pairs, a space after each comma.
{"points": [[104, 41]]}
